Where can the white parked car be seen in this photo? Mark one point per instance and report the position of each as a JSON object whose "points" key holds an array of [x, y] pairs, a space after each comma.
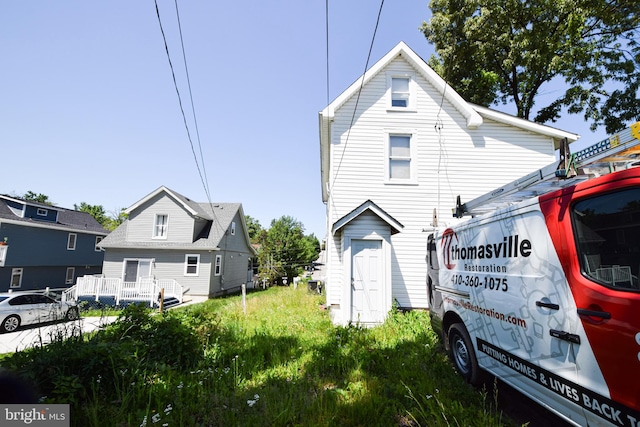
{"points": [[17, 309]]}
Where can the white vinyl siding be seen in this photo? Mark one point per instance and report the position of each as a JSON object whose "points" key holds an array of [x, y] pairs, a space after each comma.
{"points": [[191, 264], [180, 224], [71, 241], [456, 161], [160, 226]]}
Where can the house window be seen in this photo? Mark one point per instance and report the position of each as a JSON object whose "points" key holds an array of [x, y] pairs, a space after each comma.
{"points": [[400, 165], [160, 226], [233, 228], [3, 255], [42, 212], [16, 277], [191, 264], [401, 93], [136, 268], [71, 242], [71, 272], [98, 240], [218, 266]]}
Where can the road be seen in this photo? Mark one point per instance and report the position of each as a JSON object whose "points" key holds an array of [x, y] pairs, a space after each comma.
{"points": [[30, 336]]}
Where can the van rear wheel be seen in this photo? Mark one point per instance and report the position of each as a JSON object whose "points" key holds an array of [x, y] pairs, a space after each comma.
{"points": [[463, 355]]}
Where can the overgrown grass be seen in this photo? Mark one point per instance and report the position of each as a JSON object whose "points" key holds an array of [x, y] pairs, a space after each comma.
{"points": [[280, 364]]}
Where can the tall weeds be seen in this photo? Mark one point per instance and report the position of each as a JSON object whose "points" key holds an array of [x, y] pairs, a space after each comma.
{"points": [[281, 363]]}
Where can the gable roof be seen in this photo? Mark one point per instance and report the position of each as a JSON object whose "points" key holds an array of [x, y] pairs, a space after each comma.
{"points": [[68, 219], [474, 114], [189, 205], [368, 206], [219, 215]]}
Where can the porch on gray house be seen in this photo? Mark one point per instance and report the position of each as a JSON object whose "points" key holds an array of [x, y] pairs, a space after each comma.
{"points": [[116, 292]]}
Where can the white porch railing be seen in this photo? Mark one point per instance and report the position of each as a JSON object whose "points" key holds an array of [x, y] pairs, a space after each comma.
{"points": [[143, 290]]}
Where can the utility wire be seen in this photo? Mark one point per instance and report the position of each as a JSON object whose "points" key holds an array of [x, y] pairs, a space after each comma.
{"points": [[184, 117], [193, 108], [355, 108]]}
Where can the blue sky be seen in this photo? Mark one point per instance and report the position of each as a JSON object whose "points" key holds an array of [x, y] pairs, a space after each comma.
{"points": [[89, 112]]}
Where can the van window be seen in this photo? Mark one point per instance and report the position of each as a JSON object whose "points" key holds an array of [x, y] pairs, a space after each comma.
{"points": [[607, 233]]}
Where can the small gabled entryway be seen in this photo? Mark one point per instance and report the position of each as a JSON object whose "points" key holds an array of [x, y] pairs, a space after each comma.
{"points": [[366, 294]]}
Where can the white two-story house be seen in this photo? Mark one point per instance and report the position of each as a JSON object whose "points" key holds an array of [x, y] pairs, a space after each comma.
{"points": [[396, 147]]}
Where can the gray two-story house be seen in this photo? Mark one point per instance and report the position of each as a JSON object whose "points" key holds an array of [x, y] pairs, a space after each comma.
{"points": [[46, 246]]}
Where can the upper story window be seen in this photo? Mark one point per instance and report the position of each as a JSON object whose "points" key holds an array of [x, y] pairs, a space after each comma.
{"points": [[401, 158], [191, 264], [97, 246], [3, 254], [233, 228], [401, 93], [71, 241], [217, 268], [42, 212], [607, 233], [160, 226]]}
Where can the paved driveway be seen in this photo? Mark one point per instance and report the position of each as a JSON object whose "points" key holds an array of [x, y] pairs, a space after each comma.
{"points": [[44, 334]]}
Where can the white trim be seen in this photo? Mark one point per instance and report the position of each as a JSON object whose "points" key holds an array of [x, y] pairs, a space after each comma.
{"points": [[124, 266], [16, 272], [217, 266], [72, 247], [160, 231], [97, 248], [50, 226], [187, 265], [155, 193], [413, 159], [67, 280], [411, 94]]}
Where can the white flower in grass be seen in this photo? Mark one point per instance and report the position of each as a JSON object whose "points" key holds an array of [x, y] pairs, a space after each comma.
{"points": [[168, 409], [155, 418], [180, 385], [144, 422]]}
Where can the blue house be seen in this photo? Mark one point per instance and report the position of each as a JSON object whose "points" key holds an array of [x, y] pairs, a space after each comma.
{"points": [[46, 246]]}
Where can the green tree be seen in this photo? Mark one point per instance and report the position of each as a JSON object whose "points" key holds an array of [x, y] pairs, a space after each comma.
{"points": [[109, 221], [285, 250], [253, 228], [39, 197], [96, 211], [493, 51]]}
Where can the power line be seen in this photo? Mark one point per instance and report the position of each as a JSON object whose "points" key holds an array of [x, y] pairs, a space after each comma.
{"points": [[184, 118], [355, 108], [193, 108]]}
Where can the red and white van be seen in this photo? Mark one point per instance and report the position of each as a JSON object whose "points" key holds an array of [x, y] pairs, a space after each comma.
{"points": [[545, 295]]}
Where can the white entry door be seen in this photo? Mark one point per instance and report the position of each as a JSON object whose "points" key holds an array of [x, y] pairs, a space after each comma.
{"points": [[366, 281]]}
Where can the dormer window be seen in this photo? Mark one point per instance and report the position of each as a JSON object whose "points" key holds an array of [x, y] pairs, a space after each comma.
{"points": [[160, 226], [42, 212]]}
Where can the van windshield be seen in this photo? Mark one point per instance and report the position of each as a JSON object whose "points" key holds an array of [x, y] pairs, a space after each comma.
{"points": [[607, 233]]}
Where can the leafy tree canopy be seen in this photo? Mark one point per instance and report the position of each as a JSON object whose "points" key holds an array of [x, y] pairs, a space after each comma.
{"points": [[285, 250], [253, 228], [494, 51], [39, 197], [108, 221]]}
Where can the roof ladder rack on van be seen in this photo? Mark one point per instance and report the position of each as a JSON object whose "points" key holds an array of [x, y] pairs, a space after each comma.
{"points": [[616, 152]]}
